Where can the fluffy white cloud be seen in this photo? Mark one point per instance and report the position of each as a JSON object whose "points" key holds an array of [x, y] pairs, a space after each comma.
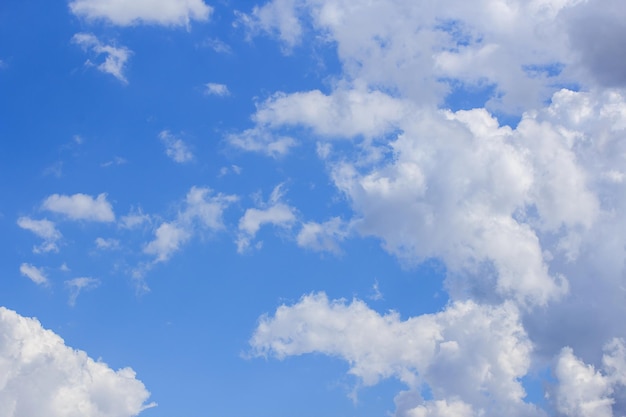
{"points": [[175, 148], [168, 238], [37, 275], [115, 58], [81, 207], [202, 211], [215, 89], [77, 285], [584, 391], [162, 12], [45, 229], [40, 375], [470, 355]]}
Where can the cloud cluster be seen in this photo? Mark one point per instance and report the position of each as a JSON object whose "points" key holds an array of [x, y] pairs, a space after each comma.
{"points": [[40, 375], [526, 217]]}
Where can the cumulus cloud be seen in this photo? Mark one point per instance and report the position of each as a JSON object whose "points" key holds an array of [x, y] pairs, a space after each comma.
{"points": [[584, 391], [40, 375], [160, 12], [480, 367], [81, 207], [201, 212], [37, 275], [77, 285], [44, 229], [215, 89], [526, 214], [175, 147], [115, 58]]}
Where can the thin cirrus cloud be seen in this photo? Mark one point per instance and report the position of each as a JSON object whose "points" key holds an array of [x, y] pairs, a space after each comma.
{"points": [[78, 285], [157, 12], [81, 207], [115, 58], [64, 381]]}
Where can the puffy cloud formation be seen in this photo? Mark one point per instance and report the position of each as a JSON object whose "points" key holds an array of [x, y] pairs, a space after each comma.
{"points": [[586, 392], [527, 217], [81, 207], [471, 352], [161, 12], [41, 376], [115, 58], [45, 229]]}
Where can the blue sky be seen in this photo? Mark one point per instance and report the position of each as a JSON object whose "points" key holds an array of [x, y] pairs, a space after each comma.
{"points": [[312, 208]]}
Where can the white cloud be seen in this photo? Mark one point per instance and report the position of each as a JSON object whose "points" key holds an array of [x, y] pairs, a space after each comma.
{"points": [[217, 45], [582, 391], [115, 58], [263, 141], [77, 285], [107, 244], [37, 275], [45, 229], [41, 376], [202, 212], [477, 369], [167, 240], [276, 213], [175, 148], [529, 214], [323, 237], [161, 12], [81, 207], [134, 219], [214, 89]]}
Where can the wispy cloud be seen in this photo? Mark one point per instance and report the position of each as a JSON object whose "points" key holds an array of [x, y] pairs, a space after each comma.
{"points": [[37, 275], [43, 228], [215, 89], [115, 58], [77, 285], [175, 148]]}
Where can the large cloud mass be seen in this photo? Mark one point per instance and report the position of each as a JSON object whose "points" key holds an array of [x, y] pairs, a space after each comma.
{"points": [[41, 376], [527, 217]]}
